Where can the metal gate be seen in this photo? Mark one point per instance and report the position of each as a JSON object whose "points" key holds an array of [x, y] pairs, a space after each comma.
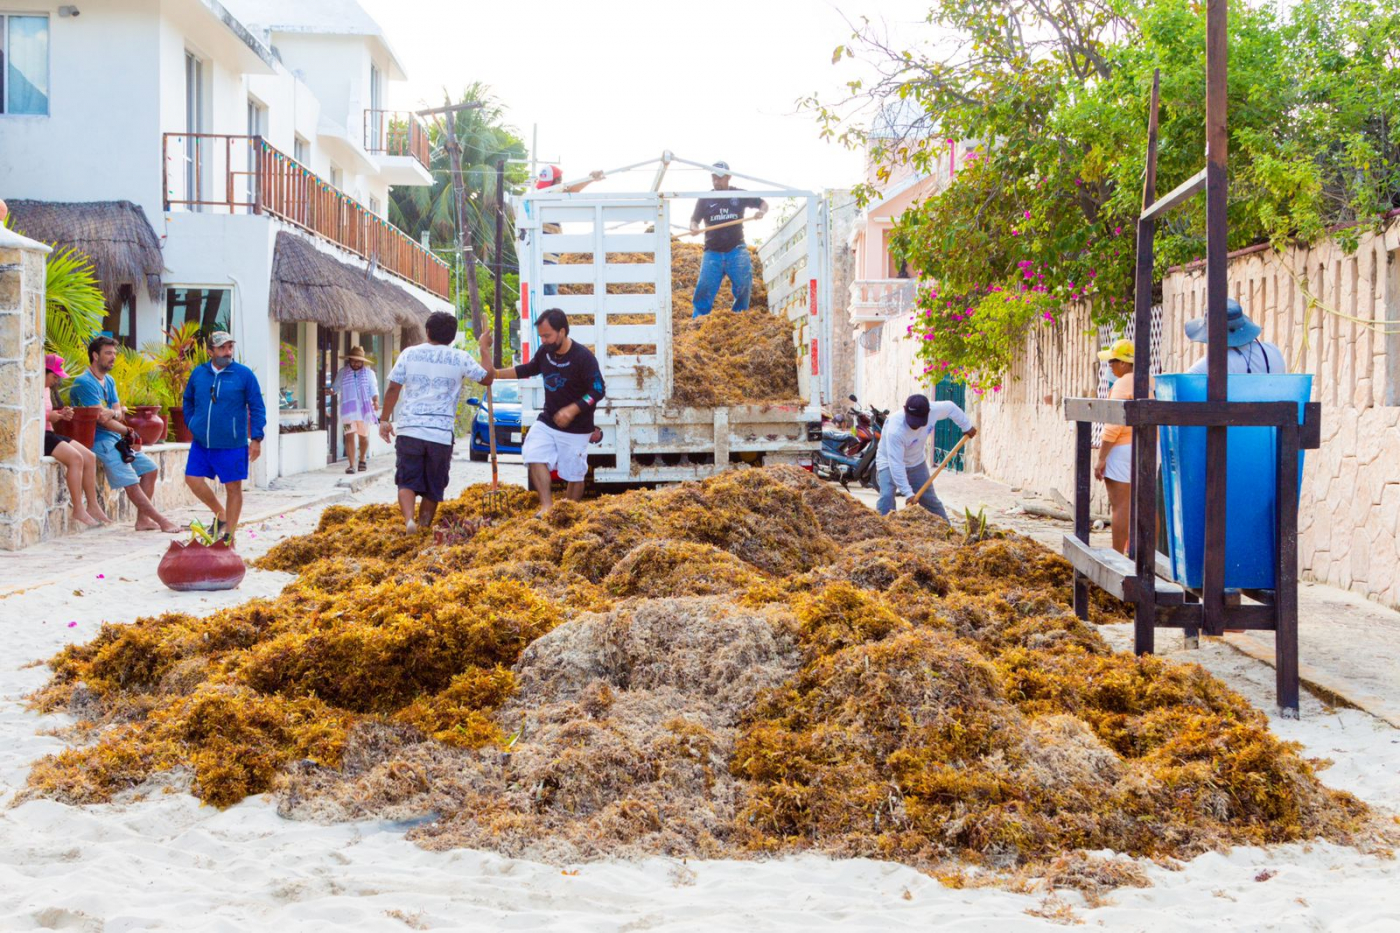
{"points": [[946, 434], [614, 283]]}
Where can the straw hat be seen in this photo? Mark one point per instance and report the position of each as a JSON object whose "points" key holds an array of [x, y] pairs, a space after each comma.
{"points": [[357, 353]]}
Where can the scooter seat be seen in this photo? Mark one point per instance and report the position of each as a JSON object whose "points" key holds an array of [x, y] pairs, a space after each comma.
{"points": [[829, 435]]}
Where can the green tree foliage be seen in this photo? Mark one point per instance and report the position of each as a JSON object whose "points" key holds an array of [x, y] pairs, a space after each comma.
{"points": [[485, 139], [74, 308], [1041, 215]]}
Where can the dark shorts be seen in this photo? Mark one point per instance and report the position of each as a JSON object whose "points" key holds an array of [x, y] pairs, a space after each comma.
{"points": [[226, 464], [52, 440], [422, 466]]}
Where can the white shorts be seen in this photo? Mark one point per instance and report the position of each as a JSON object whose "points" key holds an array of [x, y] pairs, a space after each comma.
{"points": [[564, 453], [1119, 467]]}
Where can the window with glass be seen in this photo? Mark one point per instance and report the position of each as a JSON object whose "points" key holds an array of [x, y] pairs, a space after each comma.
{"points": [[289, 366], [120, 322], [301, 151], [209, 308], [24, 64]]}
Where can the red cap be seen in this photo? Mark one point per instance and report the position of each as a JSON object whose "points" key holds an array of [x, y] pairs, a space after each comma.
{"points": [[549, 176]]}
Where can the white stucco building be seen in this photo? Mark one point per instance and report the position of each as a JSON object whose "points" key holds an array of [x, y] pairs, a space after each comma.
{"points": [[228, 163]]}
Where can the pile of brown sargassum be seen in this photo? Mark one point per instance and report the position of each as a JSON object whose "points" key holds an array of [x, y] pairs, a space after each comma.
{"points": [[751, 664], [720, 359]]}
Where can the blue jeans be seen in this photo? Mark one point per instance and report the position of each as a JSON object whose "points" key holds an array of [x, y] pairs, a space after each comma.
{"points": [[737, 265], [918, 475], [550, 288]]}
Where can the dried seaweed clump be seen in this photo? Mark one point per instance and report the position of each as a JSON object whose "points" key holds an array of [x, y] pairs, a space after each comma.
{"points": [[753, 664], [724, 358]]}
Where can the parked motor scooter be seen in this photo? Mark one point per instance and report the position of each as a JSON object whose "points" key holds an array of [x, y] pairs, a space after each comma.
{"points": [[842, 447], [864, 467]]}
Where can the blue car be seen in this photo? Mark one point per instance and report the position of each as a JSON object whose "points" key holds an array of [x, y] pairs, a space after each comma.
{"points": [[506, 400]]}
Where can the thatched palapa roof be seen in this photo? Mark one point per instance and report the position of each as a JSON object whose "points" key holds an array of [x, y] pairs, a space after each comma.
{"points": [[115, 235], [311, 285]]}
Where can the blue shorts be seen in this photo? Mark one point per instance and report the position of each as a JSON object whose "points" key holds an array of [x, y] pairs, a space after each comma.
{"points": [[226, 464], [120, 475]]}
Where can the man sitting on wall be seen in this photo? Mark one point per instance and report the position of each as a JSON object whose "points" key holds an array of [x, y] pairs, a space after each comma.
{"points": [[116, 444], [223, 408]]}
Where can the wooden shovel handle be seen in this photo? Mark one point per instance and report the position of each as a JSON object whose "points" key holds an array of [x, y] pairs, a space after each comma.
{"points": [[934, 475], [727, 223]]}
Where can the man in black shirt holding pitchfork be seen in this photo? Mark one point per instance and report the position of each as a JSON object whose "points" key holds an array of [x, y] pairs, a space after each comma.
{"points": [[573, 387]]}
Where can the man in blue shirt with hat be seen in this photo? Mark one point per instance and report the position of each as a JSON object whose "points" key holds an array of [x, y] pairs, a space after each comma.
{"points": [[1247, 354], [223, 409]]}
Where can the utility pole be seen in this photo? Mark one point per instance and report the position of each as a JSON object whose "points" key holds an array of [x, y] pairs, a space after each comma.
{"points": [[459, 194], [500, 249]]}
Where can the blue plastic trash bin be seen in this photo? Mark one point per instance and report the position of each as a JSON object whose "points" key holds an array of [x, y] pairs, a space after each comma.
{"points": [[1251, 524]]}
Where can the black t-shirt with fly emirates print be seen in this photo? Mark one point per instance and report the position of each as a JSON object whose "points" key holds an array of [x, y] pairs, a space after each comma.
{"points": [[568, 378], [721, 210]]}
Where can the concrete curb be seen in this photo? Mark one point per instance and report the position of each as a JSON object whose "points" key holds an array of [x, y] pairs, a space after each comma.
{"points": [[1324, 686], [339, 493]]}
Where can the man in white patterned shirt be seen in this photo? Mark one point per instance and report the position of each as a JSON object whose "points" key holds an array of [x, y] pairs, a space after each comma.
{"points": [[429, 378]]}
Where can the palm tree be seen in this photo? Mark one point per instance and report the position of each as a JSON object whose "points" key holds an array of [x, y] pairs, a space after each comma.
{"points": [[74, 309], [485, 139]]}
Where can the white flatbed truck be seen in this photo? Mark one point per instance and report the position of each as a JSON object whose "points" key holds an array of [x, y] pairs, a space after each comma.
{"points": [[646, 438]]}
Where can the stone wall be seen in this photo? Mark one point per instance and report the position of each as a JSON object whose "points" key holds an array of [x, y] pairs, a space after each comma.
{"points": [[21, 389], [1311, 302], [171, 491]]}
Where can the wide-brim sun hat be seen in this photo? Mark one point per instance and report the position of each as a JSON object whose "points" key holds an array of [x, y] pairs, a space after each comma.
{"points": [[357, 353], [1240, 330]]}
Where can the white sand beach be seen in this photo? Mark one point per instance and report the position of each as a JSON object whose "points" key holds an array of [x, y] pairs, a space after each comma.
{"points": [[167, 863]]}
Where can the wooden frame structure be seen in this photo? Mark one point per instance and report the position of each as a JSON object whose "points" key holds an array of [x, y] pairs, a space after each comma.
{"points": [[1157, 602]]}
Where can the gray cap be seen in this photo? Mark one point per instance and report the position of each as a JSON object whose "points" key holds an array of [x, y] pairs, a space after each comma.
{"points": [[219, 338], [723, 165]]}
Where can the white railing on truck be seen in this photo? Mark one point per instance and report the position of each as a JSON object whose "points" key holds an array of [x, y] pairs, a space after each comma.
{"points": [[629, 328]]}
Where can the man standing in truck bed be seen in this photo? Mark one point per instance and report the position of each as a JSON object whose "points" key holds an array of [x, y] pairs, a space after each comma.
{"points": [[726, 253]]}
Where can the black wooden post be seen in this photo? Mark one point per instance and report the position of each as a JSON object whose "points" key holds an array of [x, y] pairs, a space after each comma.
{"points": [[1083, 453], [1142, 523], [1217, 292], [1286, 573]]}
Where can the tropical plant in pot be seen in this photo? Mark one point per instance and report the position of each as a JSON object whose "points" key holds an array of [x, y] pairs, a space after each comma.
{"points": [[175, 358], [140, 389]]}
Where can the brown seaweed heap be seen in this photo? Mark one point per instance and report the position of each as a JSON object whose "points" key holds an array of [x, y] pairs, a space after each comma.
{"points": [[723, 358], [753, 664]]}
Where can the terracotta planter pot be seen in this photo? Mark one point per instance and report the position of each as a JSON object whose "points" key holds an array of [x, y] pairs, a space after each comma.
{"points": [[195, 566], [177, 425], [82, 428], [148, 423]]}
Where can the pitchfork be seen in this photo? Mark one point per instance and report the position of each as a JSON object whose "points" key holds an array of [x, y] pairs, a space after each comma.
{"points": [[494, 503]]}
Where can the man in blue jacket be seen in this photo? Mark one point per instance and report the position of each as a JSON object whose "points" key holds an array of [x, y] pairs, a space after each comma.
{"points": [[223, 406]]}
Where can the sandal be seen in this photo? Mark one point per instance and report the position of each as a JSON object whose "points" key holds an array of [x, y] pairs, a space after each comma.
{"points": [[363, 466], [350, 468]]}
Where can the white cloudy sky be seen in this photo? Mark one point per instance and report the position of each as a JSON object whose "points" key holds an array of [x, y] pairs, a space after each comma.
{"points": [[613, 83]]}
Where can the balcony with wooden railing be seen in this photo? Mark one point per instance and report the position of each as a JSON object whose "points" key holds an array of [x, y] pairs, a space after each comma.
{"points": [[231, 174], [397, 133], [882, 299]]}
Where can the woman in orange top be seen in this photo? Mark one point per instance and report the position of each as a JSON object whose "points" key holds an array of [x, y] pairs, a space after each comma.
{"points": [[1115, 466]]}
